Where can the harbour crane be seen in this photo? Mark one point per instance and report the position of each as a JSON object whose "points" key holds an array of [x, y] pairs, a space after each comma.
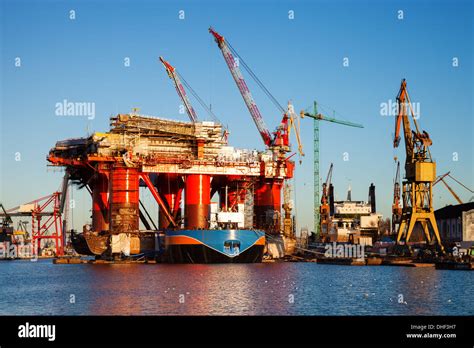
{"points": [[294, 122], [268, 190], [324, 210], [6, 218], [179, 83], [396, 207], [441, 178], [420, 173], [316, 118], [174, 76], [280, 139], [46, 223]]}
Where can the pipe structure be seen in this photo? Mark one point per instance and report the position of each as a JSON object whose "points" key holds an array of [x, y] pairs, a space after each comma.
{"points": [[197, 201]]}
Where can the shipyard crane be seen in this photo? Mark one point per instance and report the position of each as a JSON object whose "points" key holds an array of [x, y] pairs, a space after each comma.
{"points": [[7, 219], [294, 122], [280, 139], [316, 118], [324, 210], [420, 173], [46, 223], [396, 207], [179, 83], [441, 178], [173, 75]]}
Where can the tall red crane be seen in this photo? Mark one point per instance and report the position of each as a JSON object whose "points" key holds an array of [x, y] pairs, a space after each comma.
{"points": [[244, 91], [173, 75], [267, 198]]}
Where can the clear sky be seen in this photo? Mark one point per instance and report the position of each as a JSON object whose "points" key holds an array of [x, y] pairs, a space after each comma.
{"points": [[82, 60]]}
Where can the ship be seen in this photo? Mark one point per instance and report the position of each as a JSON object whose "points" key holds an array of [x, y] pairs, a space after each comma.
{"points": [[214, 246]]}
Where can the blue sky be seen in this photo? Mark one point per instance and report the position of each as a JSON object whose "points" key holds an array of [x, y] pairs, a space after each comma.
{"points": [[299, 59]]}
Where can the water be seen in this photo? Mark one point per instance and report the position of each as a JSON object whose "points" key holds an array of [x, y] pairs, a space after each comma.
{"points": [[42, 288]]}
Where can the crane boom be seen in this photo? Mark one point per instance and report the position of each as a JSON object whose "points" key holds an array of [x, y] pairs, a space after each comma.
{"points": [[173, 75], [416, 143], [329, 176], [401, 102], [452, 191], [295, 123], [441, 178], [331, 119], [396, 188], [242, 86]]}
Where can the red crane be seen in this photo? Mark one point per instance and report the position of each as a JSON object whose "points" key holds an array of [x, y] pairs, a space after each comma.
{"points": [[173, 75], [247, 96], [46, 222]]}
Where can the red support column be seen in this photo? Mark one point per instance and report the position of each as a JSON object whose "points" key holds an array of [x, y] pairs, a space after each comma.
{"points": [[267, 205], [100, 203], [197, 201], [124, 196]]}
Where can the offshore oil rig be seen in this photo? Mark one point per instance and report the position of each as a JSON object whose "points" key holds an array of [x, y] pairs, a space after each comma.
{"points": [[181, 162], [185, 164]]}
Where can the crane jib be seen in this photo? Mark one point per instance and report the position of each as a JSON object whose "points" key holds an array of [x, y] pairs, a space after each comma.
{"points": [[184, 97], [173, 75], [244, 90], [243, 85]]}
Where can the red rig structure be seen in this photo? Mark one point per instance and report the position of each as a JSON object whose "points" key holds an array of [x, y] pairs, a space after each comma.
{"points": [[176, 159]]}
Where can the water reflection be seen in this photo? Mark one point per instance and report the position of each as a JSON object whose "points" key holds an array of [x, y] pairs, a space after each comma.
{"points": [[254, 289]]}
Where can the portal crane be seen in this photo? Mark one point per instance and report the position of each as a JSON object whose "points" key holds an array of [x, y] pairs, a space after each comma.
{"points": [[173, 75], [316, 118], [420, 173], [7, 219], [46, 223]]}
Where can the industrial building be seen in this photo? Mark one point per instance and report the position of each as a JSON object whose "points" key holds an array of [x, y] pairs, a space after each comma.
{"points": [[456, 223]]}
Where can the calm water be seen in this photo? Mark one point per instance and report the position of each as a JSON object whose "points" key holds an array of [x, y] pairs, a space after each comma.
{"points": [[254, 289]]}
